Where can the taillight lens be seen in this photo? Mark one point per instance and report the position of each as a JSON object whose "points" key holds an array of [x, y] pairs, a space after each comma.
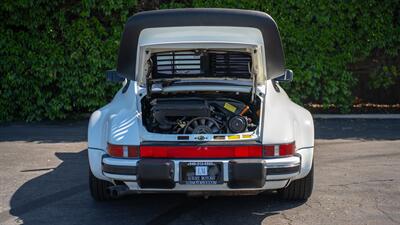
{"points": [[193, 152], [257, 151], [123, 151], [279, 150]]}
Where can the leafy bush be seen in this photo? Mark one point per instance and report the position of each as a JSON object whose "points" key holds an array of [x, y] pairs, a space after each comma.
{"points": [[53, 53]]}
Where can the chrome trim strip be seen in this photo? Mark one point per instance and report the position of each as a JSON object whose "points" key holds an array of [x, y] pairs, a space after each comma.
{"points": [[272, 185], [97, 149], [278, 163], [304, 148], [121, 170], [120, 177], [120, 162]]}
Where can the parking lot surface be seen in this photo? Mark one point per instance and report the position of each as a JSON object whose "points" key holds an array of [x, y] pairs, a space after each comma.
{"points": [[44, 174]]}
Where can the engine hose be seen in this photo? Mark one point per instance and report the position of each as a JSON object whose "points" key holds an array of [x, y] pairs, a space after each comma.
{"points": [[244, 111]]}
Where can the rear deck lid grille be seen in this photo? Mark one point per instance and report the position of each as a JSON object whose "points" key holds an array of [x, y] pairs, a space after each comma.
{"points": [[201, 63]]}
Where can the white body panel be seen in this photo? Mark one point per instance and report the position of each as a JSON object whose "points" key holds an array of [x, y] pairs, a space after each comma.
{"points": [[120, 123], [281, 120]]}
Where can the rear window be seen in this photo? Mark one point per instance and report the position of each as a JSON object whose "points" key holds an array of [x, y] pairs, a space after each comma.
{"points": [[201, 63]]}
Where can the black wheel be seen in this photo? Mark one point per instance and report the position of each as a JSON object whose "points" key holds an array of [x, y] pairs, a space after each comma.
{"points": [[98, 188], [299, 190]]}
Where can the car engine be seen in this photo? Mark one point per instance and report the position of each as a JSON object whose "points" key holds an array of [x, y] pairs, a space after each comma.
{"points": [[196, 115]]}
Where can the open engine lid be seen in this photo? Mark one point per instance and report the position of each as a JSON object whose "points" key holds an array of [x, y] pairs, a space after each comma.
{"points": [[128, 52]]}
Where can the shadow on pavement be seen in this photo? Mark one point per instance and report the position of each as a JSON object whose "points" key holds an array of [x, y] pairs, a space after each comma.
{"points": [[61, 196], [55, 132], [367, 129], [58, 132]]}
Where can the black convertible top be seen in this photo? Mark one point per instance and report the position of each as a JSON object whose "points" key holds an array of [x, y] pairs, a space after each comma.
{"points": [[200, 17]]}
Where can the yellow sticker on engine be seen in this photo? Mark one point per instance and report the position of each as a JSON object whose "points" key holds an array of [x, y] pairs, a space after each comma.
{"points": [[234, 137], [230, 107]]}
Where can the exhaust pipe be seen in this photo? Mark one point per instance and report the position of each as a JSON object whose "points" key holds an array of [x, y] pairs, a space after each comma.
{"points": [[117, 191]]}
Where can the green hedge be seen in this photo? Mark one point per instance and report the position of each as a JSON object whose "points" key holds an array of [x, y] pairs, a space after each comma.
{"points": [[54, 53]]}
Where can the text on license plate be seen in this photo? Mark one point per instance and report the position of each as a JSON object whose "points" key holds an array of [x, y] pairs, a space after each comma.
{"points": [[201, 170]]}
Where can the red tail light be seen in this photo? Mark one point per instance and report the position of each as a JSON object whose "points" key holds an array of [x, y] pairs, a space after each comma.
{"points": [[190, 152], [279, 150], [123, 151]]}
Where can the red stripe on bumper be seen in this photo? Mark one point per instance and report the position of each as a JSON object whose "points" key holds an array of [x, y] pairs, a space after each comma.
{"points": [[190, 152]]}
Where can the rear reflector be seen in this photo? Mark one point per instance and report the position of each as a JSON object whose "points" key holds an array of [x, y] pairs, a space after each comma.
{"points": [[123, 151], [190, 152], [279, 150]]}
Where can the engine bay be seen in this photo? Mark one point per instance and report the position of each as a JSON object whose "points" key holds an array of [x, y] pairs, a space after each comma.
{"points": [[205, 113]]}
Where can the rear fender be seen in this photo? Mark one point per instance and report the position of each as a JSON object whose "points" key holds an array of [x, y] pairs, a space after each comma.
{"points": [[115, 123], [285, 121]]}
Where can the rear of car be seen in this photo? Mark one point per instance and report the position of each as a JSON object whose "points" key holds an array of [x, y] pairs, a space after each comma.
{"points": [[221, 166], [200, 110]]}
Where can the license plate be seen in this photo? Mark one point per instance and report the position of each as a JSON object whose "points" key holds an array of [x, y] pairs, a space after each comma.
{"points": [[201, 173]]}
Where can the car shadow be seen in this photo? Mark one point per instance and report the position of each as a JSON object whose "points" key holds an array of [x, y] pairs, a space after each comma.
{"points": [[61, 196]]}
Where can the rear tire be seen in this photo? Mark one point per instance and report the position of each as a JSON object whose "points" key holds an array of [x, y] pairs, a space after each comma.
{"points": [[98, 188], [301, 189]]}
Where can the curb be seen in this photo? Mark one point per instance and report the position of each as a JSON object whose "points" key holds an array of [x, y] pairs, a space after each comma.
{"points": [[356, 116]]}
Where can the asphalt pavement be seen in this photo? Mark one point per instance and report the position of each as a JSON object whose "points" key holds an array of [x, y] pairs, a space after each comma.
{"points": [[44, 174]]}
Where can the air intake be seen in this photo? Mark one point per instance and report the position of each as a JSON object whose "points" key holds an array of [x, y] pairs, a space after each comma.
{"points": [[201, 63]]}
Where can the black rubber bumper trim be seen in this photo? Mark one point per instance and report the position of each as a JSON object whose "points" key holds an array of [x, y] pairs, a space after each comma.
{"points": [[155, 173], [283, 170], [122, 170], [246, 174]]}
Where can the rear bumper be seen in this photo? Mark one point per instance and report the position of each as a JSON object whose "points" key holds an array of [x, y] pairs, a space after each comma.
{"points": [[238, 174]]}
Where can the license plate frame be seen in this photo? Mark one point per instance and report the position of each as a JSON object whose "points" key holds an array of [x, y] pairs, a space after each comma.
{"points": [[214, 173]]}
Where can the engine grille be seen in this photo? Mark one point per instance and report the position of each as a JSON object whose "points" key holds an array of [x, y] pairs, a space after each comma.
{"points": [[201, 63]]}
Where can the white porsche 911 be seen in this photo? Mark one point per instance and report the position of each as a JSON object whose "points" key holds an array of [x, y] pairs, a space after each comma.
{"points": [[201, 110]]}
